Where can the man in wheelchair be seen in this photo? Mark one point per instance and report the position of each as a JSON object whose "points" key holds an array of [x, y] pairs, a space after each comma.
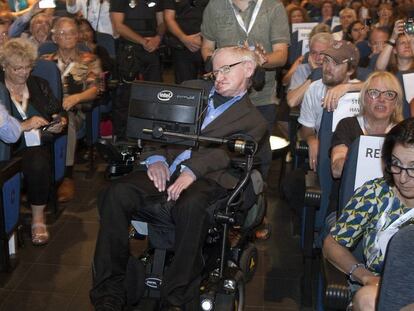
{"points": [[177, 188]]}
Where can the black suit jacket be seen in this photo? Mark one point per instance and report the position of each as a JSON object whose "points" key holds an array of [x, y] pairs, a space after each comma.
{"points": [[214, 161]]}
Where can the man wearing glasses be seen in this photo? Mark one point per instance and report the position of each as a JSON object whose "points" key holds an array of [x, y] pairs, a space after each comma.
{"points": [[181, 184]]}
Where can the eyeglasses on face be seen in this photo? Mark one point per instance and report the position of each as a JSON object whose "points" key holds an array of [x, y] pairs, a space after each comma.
{"points": [[66, 34], [224, 69], [16, 69], [387, 95], [395, 169]]}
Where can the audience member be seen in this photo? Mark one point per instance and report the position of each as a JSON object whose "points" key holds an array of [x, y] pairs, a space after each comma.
{"points": [[95, 11], [297, 14], [327, 12], [346, 17], [377, 39], [357, 32], [302, 72], [182, 189], [339, 64], [80, 73], [183, 20], [34, 104], [397, 54], [40, 28], [374, 214], [385, 16]]}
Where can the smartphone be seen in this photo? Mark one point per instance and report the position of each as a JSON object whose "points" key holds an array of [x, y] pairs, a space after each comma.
{"points": [[46, 127], [368, 22], [409, 26]]}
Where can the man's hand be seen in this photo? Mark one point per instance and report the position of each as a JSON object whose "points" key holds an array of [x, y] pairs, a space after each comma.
{"points": [[183, 182], [313, 143], [159, 174], [192, 42], [371, 280], [152, 43], [261, 53], [34, 122], [70, 101], [332, 96], [312, 62]]}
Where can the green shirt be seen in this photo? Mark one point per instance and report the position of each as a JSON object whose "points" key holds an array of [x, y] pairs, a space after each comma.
{"points": [[271, 26]]}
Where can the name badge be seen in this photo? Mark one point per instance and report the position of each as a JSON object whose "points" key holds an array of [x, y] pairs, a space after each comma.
{"points": [[32, 138]]}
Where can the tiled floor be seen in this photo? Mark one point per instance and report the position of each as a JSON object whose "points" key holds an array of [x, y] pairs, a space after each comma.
{"points": [[57, 277]]}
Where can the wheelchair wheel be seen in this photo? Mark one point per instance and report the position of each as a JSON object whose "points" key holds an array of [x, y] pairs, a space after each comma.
{"points": [[248, 261], [230, 301]]}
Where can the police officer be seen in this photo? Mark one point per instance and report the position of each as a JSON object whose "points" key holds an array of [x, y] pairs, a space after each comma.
{"points": [[183, 19], [140, 24]]}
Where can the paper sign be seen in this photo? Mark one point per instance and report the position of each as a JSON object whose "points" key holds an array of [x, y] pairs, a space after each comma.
{"points": [[408, 79], [335, 22], [305, 47], [348, 106], [369, 164], [297, 26]]}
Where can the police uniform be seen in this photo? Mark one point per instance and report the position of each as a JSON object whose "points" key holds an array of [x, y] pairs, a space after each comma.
{"points": [[188, 15], [133, 59]]}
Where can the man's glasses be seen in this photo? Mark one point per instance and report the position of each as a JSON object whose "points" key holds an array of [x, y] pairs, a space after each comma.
{"points": [[387, 95], [395, 169], [225, 69], [66, 34]]}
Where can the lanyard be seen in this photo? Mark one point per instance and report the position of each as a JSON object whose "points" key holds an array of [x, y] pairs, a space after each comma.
{"points": [[384, 235], [252, 20]]}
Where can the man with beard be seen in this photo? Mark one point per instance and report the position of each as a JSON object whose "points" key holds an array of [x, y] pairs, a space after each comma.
{"points": [[339, 64]]}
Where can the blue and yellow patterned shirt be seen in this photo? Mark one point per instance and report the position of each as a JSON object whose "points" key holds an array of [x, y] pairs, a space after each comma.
{"points": [[360, 216]]}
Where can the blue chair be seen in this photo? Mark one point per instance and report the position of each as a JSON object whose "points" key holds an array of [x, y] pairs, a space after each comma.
{"points": [[333, 288], [50, 72], [9, 196], [397, 283], [108, 42], [50, 47]]}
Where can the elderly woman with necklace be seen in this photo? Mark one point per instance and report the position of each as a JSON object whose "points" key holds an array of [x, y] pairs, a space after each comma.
{"points": [[33, 103]]}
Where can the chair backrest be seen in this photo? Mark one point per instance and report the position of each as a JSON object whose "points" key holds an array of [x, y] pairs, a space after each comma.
{"points": [[59, 153], [5, 151], [363, 163], [49, 71], [348, 106], [108, 42], [49, 47], [397, 283]]}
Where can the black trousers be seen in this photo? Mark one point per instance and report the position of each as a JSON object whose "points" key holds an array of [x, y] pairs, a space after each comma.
{"points": [[37, 172], [135, 197], [187, 65]]}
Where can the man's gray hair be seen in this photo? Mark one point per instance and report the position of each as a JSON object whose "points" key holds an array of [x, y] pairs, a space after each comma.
{"points": [[243, 52], [322, 37]]}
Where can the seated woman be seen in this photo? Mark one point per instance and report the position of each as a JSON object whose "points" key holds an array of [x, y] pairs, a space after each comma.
{"points": [[80, 73], [375, 213], [34, 104], [381, 108]]}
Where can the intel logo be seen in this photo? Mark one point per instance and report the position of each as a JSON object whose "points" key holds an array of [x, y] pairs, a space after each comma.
{"points": [[165, 95]]}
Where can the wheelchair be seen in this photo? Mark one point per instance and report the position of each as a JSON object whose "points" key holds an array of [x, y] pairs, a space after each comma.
{"points": [[229, 262]]}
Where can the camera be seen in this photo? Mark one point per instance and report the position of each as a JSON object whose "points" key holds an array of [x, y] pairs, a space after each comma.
{"points": [[409, 26]]}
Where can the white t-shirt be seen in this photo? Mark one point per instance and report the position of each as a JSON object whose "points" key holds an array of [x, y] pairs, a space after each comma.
{"points": [[311, 109]]}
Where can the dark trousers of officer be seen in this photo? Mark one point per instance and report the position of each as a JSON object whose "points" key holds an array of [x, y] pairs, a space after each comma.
{"points": [[187, 65], [149, 69], [135, 197]]}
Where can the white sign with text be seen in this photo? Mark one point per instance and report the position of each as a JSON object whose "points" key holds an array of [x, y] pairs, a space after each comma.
{"points": [[369, 164], [348, 106]]}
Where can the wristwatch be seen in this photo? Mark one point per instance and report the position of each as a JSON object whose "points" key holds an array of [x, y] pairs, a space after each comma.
{"points": [[390, 43]]}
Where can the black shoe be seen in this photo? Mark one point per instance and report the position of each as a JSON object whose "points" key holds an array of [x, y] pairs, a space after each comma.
{"points": [[109, 304]]}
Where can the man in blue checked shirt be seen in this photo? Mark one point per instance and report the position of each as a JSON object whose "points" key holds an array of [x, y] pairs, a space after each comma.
{"points": [[177, 188]]}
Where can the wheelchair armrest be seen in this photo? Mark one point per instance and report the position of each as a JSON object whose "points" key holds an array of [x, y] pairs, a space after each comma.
{"points": [[313, 190], [337, 294]]}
